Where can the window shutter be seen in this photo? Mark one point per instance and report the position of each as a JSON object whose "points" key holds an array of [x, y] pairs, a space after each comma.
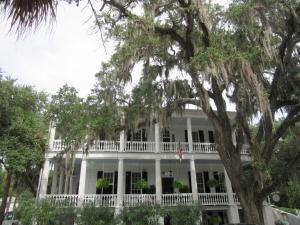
{"points": [[211, 136], [128, 182], [186, 136], [115, 182], [190, 182], [206, 178], [201, 136]]}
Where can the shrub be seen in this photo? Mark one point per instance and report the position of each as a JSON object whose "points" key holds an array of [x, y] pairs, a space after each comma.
{"points": [[183, 214], [25, 212], [146, 215], [91, 215]]}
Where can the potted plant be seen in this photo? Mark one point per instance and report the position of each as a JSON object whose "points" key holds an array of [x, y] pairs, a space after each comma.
{"points": [[102, 183], [215, 220], [179, 185], [141, 184], [212, 183]]}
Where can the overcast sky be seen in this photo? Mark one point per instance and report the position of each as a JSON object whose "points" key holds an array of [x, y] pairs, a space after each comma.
{"points": [[67, 52]]}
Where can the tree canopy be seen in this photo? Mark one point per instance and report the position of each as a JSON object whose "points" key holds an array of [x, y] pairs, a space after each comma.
{"points": [[198, 53]]}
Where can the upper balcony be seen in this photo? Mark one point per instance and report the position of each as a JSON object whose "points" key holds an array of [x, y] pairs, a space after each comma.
{"points": [[148, 147]]}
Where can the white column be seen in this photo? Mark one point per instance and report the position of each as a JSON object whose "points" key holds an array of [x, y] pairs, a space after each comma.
{"points": [[122, 141], [54, 179], [52, 129], [193, 179], [233, 211], [158, 186], [157, 141], [82, 179], [61, 180], [120, 188], [44, 178], [189, 131]]}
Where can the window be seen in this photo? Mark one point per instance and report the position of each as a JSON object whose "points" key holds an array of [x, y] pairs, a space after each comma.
{"points": [[195, 136], [220, 178], [110, 177], [135, 177], [200, 182]]}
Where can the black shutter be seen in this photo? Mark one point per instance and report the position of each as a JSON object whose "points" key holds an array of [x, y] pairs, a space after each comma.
{"points": [[216, 177], [99, 175], [128, 182], [145, 177], [186, 136], [190, 182], [144, 138], [206, 178], [201, 136], [115, 182], [129, 135], [211, 137]]}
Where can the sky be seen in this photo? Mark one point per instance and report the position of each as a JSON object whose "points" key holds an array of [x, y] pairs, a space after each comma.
{"points": [[68, 51]]}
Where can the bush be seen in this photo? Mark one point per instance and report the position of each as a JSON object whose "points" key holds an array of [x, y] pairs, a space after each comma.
{"points": [[91, 215], [183, 214], [30, 212], [146, 215]]}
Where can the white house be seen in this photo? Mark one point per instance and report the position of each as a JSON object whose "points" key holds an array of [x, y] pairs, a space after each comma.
{"points": [[151, 153]]}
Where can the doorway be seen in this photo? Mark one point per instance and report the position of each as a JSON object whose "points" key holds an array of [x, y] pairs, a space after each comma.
{"points": [[167, 185]]}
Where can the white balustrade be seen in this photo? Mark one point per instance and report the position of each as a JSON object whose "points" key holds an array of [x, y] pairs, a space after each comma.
{"points": [[105, 146], [131, 200], [149, 147], [57, 145], [175, 199], [63, 199], [213, 198], [236, 199], [204, 148], [174, 146], [100, 200], [139, 146]]}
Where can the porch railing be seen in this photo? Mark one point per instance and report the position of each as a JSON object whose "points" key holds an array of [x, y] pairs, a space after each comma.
{"points": [[105, 146], [175, 199], [213, 198], [63, 199], [236, 199], [139, 146], [100, 200], [148, 147], [174, 146], [204, 148], [131, 200]]}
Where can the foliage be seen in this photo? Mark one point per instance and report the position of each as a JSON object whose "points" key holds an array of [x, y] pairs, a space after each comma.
{"points": [[289, 210], [102, 183], [30, 212], [178, 184], [141, 184], [293, 193], [183, 214], [193, 52], [212, 183], [215, 219], [91, 215], [146, 215]]}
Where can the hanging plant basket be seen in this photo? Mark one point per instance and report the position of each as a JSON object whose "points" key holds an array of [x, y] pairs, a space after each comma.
{"points": [[102, 183], [141, 184]]}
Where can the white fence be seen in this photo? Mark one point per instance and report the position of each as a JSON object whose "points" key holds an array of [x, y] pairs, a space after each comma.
{"points": [[213, 198], [175, 199]]}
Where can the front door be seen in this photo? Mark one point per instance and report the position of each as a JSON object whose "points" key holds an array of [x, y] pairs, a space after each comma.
{"points": [[167, 185]]}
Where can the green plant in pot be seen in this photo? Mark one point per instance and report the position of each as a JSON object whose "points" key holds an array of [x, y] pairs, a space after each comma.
{"points": [[212, 183], [215, 220], [141, 184], [179, 184], [102, 183]]}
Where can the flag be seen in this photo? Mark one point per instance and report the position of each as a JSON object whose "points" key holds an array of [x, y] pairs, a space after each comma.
{"points": [[180, 152]]}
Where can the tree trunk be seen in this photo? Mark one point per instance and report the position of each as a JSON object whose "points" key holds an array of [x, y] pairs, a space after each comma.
{"points": [[5, 195], [252, 207]]}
